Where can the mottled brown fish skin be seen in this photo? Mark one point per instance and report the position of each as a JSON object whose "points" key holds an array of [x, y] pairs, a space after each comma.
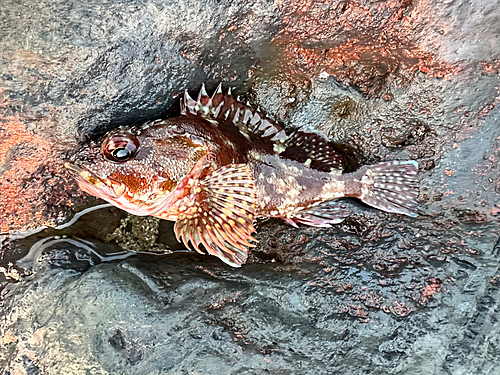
{"points": [[221, 164]]}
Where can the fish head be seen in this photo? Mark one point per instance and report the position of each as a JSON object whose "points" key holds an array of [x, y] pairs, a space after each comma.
{"points": [[138, 168]]}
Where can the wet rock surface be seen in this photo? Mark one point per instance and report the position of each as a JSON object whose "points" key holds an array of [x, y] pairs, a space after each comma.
{"points": [[379, 294]]}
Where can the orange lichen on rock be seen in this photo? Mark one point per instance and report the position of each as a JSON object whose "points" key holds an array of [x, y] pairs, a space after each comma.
{"points": [[361, 43], [365, 66], [28, 177], [433, 286], [21, 153], [491, 67]]}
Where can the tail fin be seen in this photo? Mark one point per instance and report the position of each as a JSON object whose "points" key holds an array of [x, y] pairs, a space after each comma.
{"points": [[392, 187]]}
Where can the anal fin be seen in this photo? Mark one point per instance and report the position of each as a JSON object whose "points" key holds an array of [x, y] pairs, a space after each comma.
{"points": [[322, 215], [222, 216]]}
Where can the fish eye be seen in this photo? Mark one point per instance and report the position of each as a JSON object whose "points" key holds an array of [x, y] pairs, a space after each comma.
{"points": [[120, 148], [121, 153]]}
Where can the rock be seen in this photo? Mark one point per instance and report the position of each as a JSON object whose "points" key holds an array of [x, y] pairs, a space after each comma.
{"points": [[426, 313], [379, 294]]}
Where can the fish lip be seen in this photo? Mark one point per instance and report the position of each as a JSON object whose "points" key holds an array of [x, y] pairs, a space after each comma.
{"points": [[89, 181], [73, 168]]}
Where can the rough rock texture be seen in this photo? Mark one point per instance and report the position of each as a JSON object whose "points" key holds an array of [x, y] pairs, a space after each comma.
{"points": [[378, 294]]}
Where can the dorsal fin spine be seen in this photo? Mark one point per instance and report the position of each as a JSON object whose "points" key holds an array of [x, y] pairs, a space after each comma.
{"points": [[236, 115], [270, 131], [255, 119], [202, 93], [189, 103], [225, 107], [264, 124], [183, 107], [217, 110], [280, 136], [248, 115]]}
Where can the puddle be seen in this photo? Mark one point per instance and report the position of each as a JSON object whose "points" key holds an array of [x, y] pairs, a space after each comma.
{"points": [[94, 235]]}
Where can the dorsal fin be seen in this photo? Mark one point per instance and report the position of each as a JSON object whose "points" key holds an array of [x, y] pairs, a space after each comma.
{"points": [[302, 146], [313, 150], [222, 107]]}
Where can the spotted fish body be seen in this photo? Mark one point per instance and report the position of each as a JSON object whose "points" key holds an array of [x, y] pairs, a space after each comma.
{"points": [[220, 165]]}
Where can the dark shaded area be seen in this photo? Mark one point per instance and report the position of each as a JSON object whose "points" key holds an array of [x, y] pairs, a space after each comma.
{"points": [[377, 294]]}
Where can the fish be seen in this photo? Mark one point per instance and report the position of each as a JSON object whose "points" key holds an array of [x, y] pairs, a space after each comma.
{"points": [[220, 165]]}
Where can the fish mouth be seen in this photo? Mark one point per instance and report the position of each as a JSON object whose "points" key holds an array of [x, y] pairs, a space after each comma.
{"points": [[111, 191], [91, 183]]}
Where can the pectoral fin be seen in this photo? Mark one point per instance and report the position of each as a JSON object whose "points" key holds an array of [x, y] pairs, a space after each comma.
{"points": [[222, 217]]}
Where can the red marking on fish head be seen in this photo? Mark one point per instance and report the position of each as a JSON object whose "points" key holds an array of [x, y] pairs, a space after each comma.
{"points": [[136, 169]]}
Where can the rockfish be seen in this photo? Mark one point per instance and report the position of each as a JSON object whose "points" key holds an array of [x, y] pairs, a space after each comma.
{"points": [[221, 164]]}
